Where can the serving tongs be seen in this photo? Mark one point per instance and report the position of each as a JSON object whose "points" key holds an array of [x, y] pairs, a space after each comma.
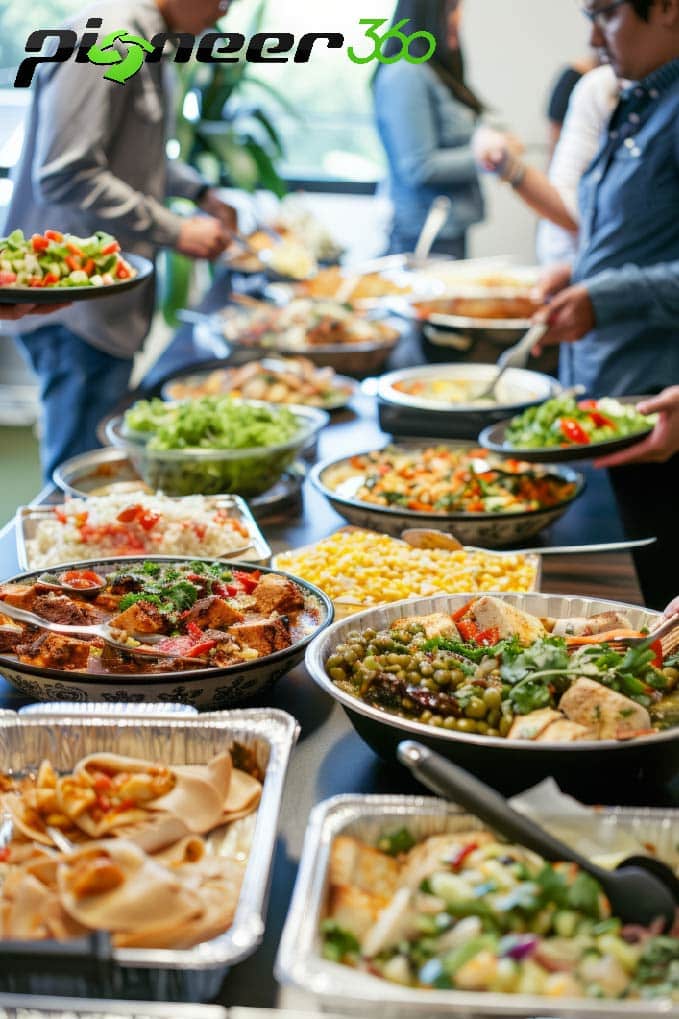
{"points": [[666, 631], [641, 890], [102, 630]]}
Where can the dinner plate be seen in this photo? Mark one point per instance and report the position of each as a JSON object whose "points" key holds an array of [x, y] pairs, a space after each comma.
{"points": [[56, 295], [493, 438]]}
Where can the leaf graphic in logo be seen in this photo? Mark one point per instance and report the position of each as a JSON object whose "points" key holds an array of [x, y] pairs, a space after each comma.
{"points": [[126, 66]]}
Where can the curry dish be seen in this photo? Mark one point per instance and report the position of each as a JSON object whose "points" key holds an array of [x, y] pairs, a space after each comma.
{"points": [[201, 615]]}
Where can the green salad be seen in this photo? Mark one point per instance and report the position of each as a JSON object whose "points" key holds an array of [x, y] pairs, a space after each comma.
{"points": [[54, 259], [564, 421], [215, 429]]}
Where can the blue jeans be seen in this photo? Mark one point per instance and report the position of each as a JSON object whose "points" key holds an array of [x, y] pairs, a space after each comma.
{"points": [[79, 385]]}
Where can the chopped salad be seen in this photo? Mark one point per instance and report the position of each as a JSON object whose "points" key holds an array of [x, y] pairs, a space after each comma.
{"points": [[564, 421], [55, 259], [440, 479], [461, 910]]}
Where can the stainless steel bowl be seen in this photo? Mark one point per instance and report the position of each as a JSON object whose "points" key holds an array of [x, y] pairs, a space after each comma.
{"points": [[489, 530], [403, 414], [203, 688], [509, 764]]}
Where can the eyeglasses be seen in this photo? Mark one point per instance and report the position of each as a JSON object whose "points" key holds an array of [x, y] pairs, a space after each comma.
{"points": [[601, 15]]}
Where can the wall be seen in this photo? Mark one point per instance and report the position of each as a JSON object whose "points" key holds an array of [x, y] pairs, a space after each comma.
{"points": [[514, 50]]}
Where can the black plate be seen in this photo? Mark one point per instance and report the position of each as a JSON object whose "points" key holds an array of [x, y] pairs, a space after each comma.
{"points": [[493, 438], [66, 295]]}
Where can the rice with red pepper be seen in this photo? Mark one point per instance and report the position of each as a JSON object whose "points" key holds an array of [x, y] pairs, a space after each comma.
{"points": [[134, 524]]}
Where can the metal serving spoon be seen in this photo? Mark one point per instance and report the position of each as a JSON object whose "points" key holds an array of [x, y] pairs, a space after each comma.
{"points": [[52, 582], [429, 537], [102, 630], [514, 357], [641, 890]]}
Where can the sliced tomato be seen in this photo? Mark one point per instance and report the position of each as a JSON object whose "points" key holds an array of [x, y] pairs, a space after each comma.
{"points": [[6, 278], [54, 235], [573, 431], [130, 513], [194, 631], [149, 520], [122, 272], [248, 581], [111, 249], [50, 279], [39, 243], [656, 646]]}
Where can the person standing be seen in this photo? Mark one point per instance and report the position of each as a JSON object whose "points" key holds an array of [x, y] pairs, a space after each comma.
{"points": [[426, 116], [94, 159]]}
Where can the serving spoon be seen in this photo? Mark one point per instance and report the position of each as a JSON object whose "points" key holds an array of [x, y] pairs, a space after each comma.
{"points": [[429, 537], [640, 890], [101, 630], [514, 357]]}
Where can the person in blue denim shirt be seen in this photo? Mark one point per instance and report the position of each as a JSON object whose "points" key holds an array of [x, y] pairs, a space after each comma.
{"points": [[616, 310], [426, 117]]}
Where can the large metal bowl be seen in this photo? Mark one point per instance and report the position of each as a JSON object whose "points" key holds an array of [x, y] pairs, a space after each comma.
{"points": [[202, 688], [508, 764], [404, 414], [489, 530]]}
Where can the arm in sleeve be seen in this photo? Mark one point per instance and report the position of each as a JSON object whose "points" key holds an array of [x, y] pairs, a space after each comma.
{"points": [[408, 119], [78, 112], [632, 291], [182, 181]]}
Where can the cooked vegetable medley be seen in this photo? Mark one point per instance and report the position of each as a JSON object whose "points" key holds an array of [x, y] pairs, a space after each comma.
{"points": [[463, 911], [54, 259], [493, 670], [440, 479], [566, 422]]}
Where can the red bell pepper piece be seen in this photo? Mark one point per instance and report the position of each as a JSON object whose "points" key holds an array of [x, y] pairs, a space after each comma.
{"points": [[468, 629], [574, 432], [122, 272], [39, 243], [656, 646], [200, 649], [248, 581], [50, 279], [54, 235], [488, 637], [111, 249], [462, 854], [463, 611]]}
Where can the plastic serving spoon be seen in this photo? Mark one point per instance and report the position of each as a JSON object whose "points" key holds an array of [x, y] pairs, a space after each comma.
{"points": [[641, 889]]}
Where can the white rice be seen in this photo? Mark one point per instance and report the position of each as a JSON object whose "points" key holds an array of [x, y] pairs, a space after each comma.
{"points": [[190, 526]]}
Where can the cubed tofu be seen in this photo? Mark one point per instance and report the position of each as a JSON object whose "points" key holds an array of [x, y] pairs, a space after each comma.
{"points": [[564, 731], [22, 596], [55, 651], [581, 626], [608, 714], [435, 625], [354, 863], [278, 594], [354, 909], [142, 617], [532, 725], [263, 635], [492, 613], [213, 612]]}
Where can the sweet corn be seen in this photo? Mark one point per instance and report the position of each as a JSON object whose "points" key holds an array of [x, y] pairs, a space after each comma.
{"points": [[360, 569]]}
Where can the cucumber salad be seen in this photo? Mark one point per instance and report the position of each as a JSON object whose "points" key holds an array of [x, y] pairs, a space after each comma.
{"points": [[55, 259]]}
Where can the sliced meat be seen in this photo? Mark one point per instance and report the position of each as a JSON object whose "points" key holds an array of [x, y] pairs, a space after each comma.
{"points": [[564, 731], [55, 651], [354, 863], [277, 594], [488, 613], [583, 627], [21, 596], [126, 583], [213, 611], [608, 714], [354, 909], [59, 608], [437, 624], [532, 725], [142, 617], [263, 635]]}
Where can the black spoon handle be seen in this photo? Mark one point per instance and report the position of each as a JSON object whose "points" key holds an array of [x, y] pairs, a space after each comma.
{"points": [[458, 785]]}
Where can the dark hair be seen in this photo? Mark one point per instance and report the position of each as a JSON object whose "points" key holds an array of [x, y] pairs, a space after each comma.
{"points": [[431, 16], [642, 8]]}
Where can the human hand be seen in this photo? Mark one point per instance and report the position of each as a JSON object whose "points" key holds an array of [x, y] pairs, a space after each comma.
{"points": [[490, 149], [551, 281], [12, 312], [570, 316], [202, 237], [662, 443], [672, 609], [214, 206]]}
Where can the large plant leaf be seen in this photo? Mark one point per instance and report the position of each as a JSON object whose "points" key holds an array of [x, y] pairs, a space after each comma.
{"points": [[269, 177], [176, 272]]}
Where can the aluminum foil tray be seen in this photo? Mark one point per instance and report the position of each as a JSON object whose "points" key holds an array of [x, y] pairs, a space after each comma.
{"points": [[90, 967], [21, 1007], [28, 518], [368, 817]]}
